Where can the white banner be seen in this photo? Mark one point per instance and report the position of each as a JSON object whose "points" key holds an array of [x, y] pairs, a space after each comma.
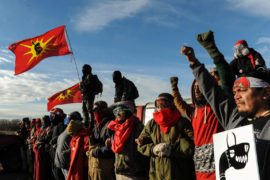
{"points": [[235, 154]]}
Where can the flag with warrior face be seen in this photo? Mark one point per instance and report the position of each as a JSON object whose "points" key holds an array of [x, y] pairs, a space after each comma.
{"points": [[67, 96], [30, 52]]}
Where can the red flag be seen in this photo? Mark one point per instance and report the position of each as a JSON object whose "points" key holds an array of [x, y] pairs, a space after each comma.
{"points": [[30, 52], [70, 95]]}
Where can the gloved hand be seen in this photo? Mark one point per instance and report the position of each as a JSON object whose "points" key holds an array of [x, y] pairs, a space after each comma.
{"points": [[162, 150], [207, 41], [205, 38], [174, 82], [143, 140]]}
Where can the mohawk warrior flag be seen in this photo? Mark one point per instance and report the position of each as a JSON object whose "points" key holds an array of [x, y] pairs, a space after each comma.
{"points": [[67, 96], [30, 52]]}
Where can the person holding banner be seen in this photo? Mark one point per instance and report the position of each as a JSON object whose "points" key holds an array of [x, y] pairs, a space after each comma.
{"points": [[251, 105]]}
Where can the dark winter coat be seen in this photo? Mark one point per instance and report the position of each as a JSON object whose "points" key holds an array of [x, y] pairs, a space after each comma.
{"points": [[99, 137], [88, 86], [125, 90], [56, 131], [130, 162], [179, 165], [62, 153], [247, 66]]}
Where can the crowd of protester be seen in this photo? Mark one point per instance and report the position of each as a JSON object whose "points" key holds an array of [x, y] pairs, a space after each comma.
{"points": [[110, 142]]}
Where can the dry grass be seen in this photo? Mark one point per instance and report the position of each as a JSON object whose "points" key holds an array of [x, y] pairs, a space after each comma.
{"points": [[9, 132]]}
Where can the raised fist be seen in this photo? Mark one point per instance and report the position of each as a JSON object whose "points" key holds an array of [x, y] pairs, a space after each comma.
{"points": [[189, 53], [205, 38], [174, 81]]}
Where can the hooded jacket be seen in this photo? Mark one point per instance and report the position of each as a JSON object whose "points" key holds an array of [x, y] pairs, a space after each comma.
{"points": [[79, 144], [205, 124], [179, 164]]}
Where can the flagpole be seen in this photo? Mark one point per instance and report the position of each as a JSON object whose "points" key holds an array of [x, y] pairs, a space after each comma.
{"points": [[73, 56]]}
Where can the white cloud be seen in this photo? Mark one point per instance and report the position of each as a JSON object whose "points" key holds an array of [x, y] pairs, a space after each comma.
{"points": [[28, 87], [5, 51], [4, 60], [5, 56], [168, 14], [262, 40], [263, 50], [252, 7], [26, 94], [100, 15], [161, 20]]}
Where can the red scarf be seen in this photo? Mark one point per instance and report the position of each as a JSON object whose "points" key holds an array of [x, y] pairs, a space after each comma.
{"points": [[166, 118], [98, 117], [122, 133]]}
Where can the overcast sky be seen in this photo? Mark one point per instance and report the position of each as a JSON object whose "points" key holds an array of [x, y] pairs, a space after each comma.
{"points": [[141, 38]]}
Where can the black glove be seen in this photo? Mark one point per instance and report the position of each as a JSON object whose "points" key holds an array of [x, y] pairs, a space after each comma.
{"points": [[174, 82]]}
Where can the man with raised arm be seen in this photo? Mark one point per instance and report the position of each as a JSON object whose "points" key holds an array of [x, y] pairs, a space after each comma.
{"points": [[251, 105]]}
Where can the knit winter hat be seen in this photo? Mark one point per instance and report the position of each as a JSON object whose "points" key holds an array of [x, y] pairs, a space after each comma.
{"points": [[123, 106], [243, 42]]}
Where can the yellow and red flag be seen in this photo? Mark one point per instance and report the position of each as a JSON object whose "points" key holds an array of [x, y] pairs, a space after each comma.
{"points": [[67, 96], [30, 52]]}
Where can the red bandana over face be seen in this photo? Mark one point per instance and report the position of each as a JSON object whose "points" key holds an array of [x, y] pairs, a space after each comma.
{"points": [[166, 118], [122, 133], [98, 117]]}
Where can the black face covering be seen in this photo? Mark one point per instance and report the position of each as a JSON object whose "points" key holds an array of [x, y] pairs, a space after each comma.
{"points": [[54, 119], [86, 69], [117, 76], [235, 156]]}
